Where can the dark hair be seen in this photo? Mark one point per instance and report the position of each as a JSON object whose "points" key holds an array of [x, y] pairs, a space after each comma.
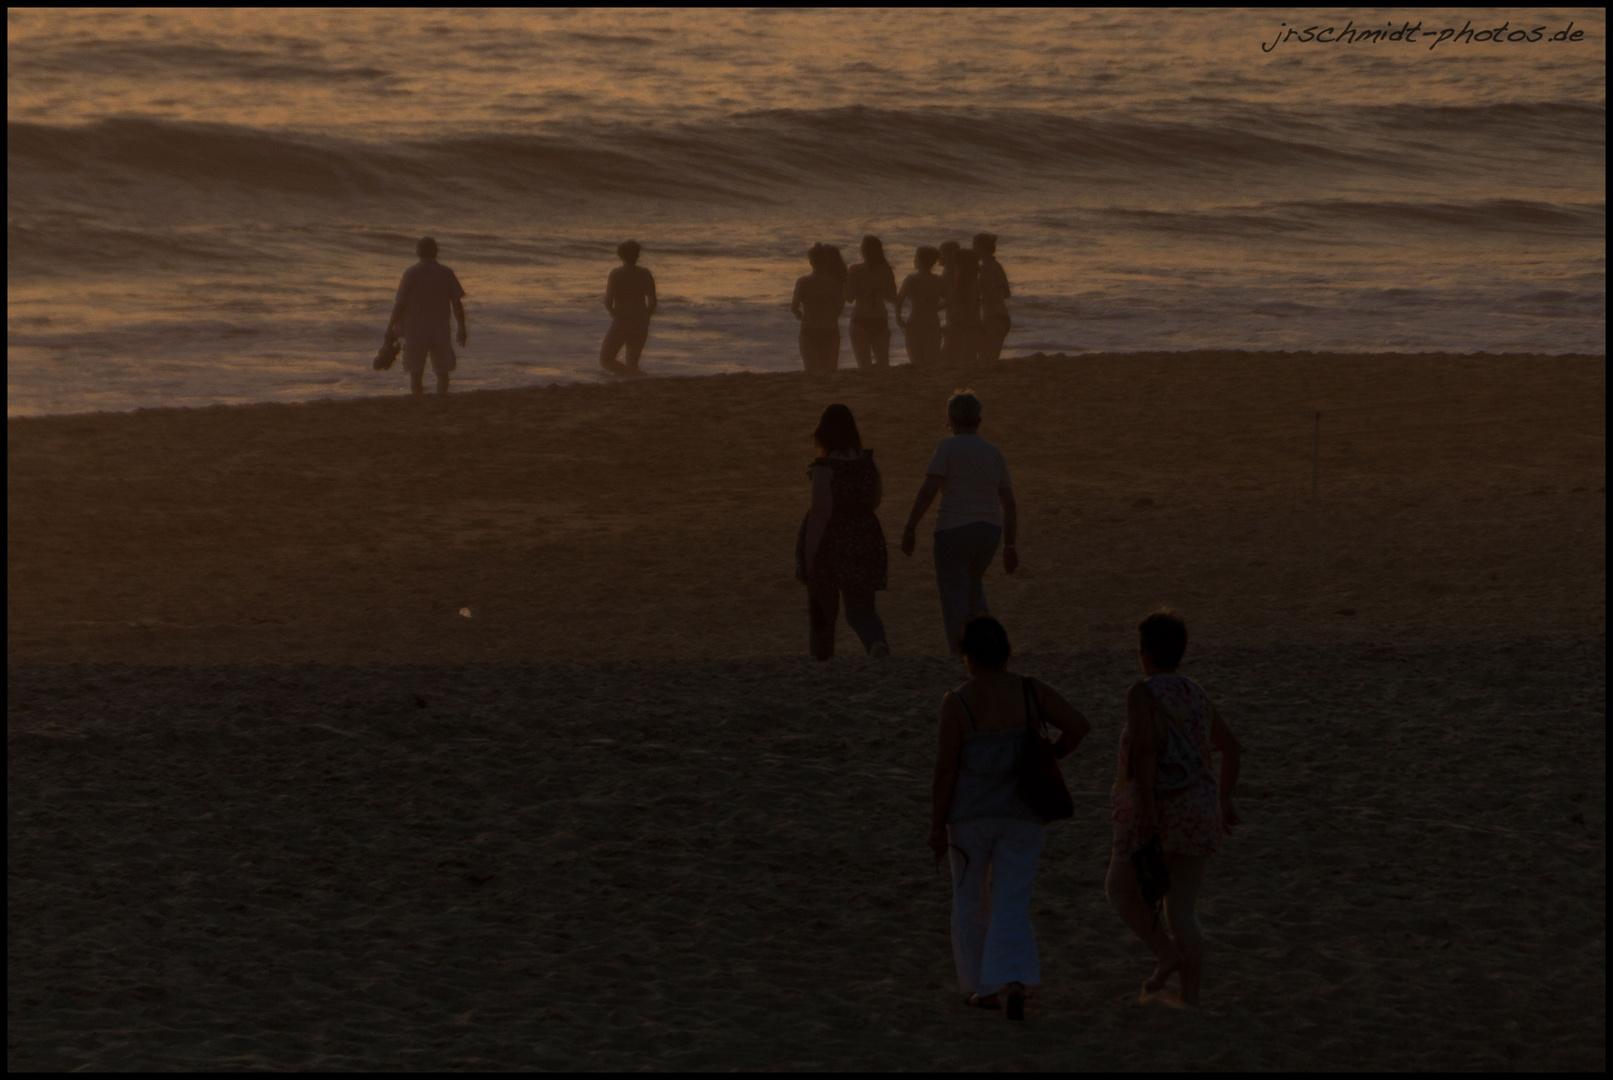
{"points": [[948, 252], [628, 251], [815, 256], [926, 256], [986, 243], [964, 408], [426, 248], [874, 251], [1163, 636], [837, 430], [968, 264], [834, 263], [985, 641]]}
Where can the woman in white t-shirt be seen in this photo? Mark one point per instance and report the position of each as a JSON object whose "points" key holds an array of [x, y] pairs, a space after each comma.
{"points": [[977, 512]]}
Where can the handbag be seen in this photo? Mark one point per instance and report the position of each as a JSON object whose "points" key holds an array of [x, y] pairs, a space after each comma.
{"points": [[1040, 781]]}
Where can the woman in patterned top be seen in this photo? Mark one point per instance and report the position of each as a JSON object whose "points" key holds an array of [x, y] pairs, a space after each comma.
{"points": [[1188, 821], [840, 549]]}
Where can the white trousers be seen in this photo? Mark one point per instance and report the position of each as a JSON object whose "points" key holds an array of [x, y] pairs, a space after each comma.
{"points": [[993, 868]]}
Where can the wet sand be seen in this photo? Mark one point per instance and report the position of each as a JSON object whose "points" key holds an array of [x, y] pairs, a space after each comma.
{"points": [[273, 802]]}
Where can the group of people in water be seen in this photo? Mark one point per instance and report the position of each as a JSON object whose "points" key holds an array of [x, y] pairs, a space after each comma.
{"points": [[971, 291], [1169, 809]]}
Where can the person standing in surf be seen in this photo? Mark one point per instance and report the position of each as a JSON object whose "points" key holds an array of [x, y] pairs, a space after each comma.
{"points": [[428, 291], [630, 299], [994, 294], [922, 328], [818, 301], [962, 343], [868, 285]]}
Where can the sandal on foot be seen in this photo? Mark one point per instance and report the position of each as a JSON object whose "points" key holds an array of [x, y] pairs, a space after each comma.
{"points": [[975, 1001]]}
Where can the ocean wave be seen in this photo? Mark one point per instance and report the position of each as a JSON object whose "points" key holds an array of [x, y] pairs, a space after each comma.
{"points": [[764, 156], [1305, 218]]}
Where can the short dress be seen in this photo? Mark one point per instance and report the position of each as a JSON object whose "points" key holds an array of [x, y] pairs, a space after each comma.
{"points": [[852, 554], [1189, 822]]}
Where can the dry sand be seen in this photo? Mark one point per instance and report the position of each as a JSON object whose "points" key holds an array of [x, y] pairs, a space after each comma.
{"points": [[274, 803]]}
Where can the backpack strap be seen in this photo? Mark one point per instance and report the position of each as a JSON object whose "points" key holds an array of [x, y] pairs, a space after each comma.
{"points": [[966, 711]]}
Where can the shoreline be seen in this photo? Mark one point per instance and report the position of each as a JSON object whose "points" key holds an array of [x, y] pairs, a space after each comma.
{"points": [[1076, 355]]}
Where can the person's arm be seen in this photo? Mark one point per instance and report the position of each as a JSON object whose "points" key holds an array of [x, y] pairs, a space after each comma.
{"points": [[926, 495], [821, 511], [459, 314], [610, 293], [650, 297], [400, 307], [795, 300], [848, 288], [1072, 725], [1144, 761], [901, 298], [879, 488], [1222, 739], [948, 742], [1005, 495]]}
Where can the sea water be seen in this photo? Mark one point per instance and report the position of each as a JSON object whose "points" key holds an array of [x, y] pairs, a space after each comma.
{"points": [[213, 207]]}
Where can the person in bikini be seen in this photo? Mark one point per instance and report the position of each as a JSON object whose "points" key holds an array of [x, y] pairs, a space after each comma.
{"points": [[868, 285], [818, 301], [923, 327], [1189, 822], [994, 294], [630, 299]]}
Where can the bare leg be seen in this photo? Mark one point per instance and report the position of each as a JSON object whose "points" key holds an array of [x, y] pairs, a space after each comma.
{"points": [[417, 381], [882, 347], [614, 340], [442, 382], [1126, 898], [636, 337], [861, 343], [1187, 877]]}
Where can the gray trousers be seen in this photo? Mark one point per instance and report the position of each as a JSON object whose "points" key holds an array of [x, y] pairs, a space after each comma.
{"points": [[961, 558]]}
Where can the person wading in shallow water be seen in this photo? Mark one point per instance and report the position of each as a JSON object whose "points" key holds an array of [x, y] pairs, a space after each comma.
{"points": [[1164, 789], [868, 285], [994, 294], [923, 326], [818, 301], [979, 820], [630, 299], [425, 295]]}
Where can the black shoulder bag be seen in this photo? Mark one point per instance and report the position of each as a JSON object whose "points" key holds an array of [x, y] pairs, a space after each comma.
{"points": [[1041, 783]]}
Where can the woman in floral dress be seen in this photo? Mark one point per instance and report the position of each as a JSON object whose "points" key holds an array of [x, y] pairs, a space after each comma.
{"points": [[1189, 822], [840, 550]]}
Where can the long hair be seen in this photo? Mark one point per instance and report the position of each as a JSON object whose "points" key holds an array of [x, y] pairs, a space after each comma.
{"points": [[874, 251], [833, 264], [837, 431], [968, 266]]}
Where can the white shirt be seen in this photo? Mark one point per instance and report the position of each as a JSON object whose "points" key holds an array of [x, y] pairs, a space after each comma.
{"points": [[974, 471]]}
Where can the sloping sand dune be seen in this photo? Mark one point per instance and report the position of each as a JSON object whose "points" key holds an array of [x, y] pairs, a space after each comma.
{"points": [[274, 803]]}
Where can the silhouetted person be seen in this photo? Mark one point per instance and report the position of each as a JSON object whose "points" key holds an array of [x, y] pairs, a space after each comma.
{"points": [[818, 301], [962, 342], [1164, 789], [994, 293], [841, 548], [630, 299], [923, 326], [979, 820], [868, 285], [428, 291], [977, 510]]}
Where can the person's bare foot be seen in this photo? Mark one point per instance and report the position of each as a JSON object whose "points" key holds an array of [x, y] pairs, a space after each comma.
{"points": [[1162, 974], [880, 651], [975, 1001]]}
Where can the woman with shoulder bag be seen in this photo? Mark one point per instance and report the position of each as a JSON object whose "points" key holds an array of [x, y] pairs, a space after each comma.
{"points": [[981, 819], [1169, 813]]}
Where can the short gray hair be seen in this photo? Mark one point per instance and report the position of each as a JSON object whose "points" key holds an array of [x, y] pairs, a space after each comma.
{"points": [[964, 409]]}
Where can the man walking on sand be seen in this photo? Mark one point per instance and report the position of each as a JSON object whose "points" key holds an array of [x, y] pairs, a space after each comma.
{"points": [[977, 512], [425, 295]]}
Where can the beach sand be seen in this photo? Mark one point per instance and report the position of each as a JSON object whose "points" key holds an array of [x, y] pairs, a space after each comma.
{"points": [[274, 802]]}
